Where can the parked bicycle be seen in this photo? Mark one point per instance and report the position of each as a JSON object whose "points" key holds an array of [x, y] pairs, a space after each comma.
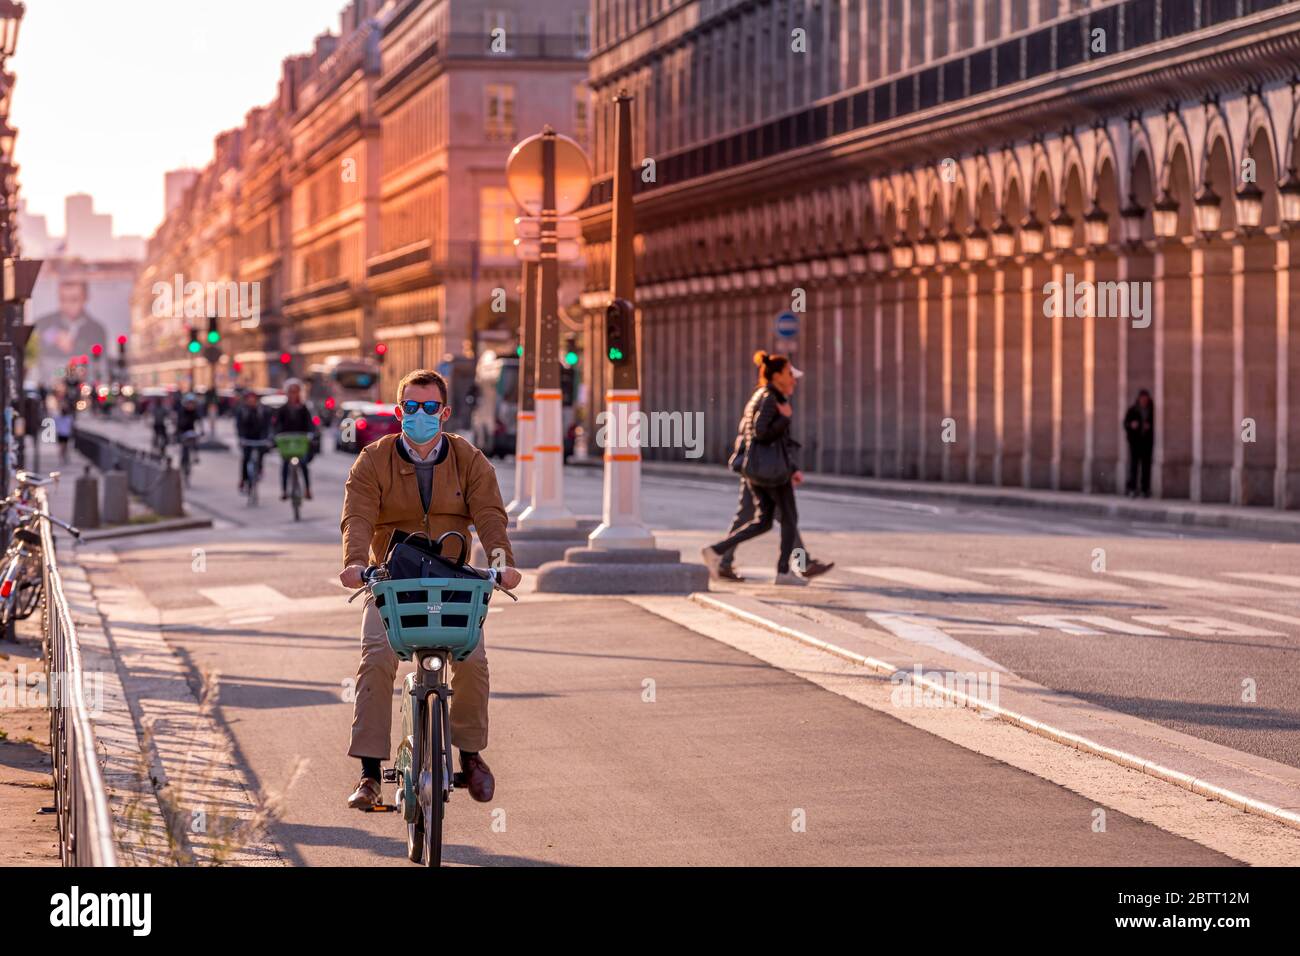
{"points": [[429, 621], [294, 448], [21, 579]]}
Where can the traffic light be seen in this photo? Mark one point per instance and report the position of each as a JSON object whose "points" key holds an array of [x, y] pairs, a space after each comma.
{"points": [[285, 358], [570, 351], [97, 350], [381, 350], [620, 327], [194, 346], [214, 333], [519, 351]]}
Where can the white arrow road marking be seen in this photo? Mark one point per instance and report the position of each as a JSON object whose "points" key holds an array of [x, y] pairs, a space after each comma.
{"points": [[1054, 579], [927, 580], [931, 632]]}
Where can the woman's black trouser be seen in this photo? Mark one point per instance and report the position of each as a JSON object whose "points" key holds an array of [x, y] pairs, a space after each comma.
{"points": [[745, 511], [769, 500]]}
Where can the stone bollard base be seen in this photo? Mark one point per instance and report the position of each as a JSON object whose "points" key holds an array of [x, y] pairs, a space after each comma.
{"points": [[116, 508], [85, 501], [630, 571], [536, 546]]}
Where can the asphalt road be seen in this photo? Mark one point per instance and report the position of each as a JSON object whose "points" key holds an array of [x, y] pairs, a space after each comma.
{"points": [[731, 749]]}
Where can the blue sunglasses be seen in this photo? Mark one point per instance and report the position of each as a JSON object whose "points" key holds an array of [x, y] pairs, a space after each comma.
{"points": [[430, 407]]}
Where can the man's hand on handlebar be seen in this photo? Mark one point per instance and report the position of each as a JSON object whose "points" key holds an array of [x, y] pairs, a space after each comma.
{"points": [[351, 576]]}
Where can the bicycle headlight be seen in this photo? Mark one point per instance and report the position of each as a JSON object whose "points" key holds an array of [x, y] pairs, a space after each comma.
{"points": [[433, 663]]}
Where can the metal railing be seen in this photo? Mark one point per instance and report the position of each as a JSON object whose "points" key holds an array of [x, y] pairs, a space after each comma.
{"points": [[80, 799]]}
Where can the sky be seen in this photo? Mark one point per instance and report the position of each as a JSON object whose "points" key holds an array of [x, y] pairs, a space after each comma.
{"points": [[110, 94]]}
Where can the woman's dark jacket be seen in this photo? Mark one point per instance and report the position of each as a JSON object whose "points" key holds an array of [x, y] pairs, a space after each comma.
{"points": [[768, 425]]}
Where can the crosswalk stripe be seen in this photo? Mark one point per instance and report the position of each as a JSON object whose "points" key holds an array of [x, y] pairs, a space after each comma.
{"points": [[1054, 579], [927, 580], [243, 595], [1203, 585], [1267, 577]]}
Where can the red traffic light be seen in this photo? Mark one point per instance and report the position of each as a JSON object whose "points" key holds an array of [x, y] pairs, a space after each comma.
{"points": [[121, 340], [239, 366], [381, 348], [285, 358], [83, 359], [97, 350]]}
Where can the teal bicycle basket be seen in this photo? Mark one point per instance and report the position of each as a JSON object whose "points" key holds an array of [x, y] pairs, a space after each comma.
{"points": [[426, 613]]}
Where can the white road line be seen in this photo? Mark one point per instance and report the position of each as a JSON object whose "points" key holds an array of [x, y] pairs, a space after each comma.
{"points": [[927, 580], [1054, 579], [1203, 585], [1268, 577], [242, 595]]}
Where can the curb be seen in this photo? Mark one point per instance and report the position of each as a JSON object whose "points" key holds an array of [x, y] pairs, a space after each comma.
{"points": [[1197, 785], [156, 527], [1284, 524]]}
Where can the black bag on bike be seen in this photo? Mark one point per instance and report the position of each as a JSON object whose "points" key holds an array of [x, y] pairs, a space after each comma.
{"points": [[413, 555]]}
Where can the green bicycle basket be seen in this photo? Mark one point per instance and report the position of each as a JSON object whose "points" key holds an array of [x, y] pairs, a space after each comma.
{"points": [[293, 444], [424, 613]]}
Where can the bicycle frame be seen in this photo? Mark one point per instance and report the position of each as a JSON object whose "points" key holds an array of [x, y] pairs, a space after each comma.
{"points": [[417, 785]]}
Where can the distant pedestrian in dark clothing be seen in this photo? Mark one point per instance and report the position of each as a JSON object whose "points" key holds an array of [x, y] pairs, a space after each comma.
{"points": [[1140, 430], [765, 432]]}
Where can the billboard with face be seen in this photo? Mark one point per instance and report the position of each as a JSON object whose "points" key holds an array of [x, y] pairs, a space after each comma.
{"points": [[71, 313]]}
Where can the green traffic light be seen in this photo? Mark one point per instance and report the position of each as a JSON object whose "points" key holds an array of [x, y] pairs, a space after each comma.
{"points": [[519, 351], [214, 336], [194, 346], [615, 354], [571, 358]]}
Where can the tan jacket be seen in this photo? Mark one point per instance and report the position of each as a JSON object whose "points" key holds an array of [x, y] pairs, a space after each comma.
{"points": [[382, 495]]}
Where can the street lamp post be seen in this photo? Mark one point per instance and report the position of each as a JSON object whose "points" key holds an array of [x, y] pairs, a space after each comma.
{"points": [[550, 177]]}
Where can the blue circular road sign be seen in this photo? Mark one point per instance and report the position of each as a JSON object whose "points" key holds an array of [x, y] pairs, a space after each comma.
{"points": [[787, 325]]}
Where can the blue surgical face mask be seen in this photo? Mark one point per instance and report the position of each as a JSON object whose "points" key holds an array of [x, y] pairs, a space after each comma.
{"points": [[421, 428]]}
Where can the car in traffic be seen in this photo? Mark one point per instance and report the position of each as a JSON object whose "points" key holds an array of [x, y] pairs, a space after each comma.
{"points": [[360, 423]]}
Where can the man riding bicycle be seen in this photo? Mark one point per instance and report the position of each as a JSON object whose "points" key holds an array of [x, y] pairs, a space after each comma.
{"points": [[252, 424], [421, 481], [294, 416]]}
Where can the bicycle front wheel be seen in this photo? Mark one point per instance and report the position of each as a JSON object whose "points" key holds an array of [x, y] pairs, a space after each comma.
{"points": [[433, 794]]}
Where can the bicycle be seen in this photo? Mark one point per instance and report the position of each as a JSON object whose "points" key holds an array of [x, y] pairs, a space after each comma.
{"points": [[21, 581], [189, 442], [428, 621], [293, 448], [253, 466]]}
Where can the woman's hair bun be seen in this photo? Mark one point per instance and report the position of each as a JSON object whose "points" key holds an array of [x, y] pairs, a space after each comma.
{"points": [[760, 358]]}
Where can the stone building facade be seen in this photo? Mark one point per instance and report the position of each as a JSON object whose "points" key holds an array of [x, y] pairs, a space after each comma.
{"points": [[368, 200], [995, 221]]}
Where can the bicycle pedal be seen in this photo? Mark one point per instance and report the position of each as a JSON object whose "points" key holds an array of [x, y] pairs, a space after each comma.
{"points": [[382, 808], [390, 775], [458, 779]]}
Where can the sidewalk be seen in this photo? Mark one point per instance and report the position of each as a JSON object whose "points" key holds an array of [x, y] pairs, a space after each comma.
{"points": [[1284, 524], [29, 836]]}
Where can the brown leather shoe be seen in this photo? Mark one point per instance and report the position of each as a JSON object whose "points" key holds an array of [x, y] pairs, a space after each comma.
{"points": [[478, 777], [366, 796], [815, 567]]}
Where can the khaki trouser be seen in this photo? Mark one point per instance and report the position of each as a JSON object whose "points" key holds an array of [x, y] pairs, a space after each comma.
{"points": [[372, 719]]}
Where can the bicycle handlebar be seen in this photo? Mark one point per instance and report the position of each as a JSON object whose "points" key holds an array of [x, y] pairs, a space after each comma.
{"points": [[377, 572]]}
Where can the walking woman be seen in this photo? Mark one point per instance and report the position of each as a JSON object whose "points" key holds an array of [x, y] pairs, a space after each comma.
{"points": [[767, 457]]}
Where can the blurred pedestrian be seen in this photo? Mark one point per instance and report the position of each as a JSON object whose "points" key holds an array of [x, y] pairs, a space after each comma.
{"points": [[1140, 430], [767, 458], [63, 428]]}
